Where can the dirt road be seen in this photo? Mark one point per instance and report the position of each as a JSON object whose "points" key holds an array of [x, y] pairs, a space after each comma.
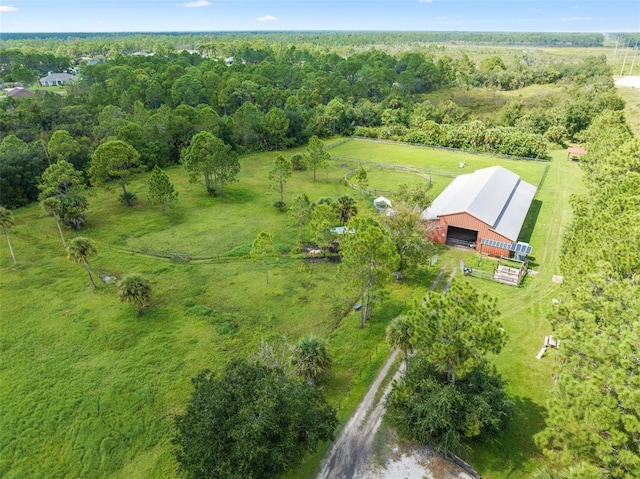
{"points": [[351, 453]]}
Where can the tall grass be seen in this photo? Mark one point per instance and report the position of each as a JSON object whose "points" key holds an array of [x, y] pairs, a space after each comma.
{"points": [[89, 390]]}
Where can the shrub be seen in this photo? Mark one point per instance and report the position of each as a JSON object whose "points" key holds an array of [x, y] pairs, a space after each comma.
{"points": [[298, 162]]}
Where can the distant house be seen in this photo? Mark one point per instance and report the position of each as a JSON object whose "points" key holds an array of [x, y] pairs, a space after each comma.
{"points": [[57, 79], [19, 93], [489, 204]]}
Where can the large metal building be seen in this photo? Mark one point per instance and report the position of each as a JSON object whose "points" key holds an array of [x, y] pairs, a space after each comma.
{"points": [[484, 210]]}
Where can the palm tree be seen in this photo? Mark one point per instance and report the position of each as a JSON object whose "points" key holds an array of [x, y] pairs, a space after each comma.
{"points": [[80, 249], [399, 334], [347, 208], [53, 207], [135, 288], [6, 221], [311, 359]]}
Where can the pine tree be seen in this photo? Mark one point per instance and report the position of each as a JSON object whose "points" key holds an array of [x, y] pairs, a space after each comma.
{"points": [[278, 175], [263, 249], [317, 157], [161, 191]]}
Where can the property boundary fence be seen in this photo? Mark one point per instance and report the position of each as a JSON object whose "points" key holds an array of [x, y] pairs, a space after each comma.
{"points": [[446, 148], [433, 147]]}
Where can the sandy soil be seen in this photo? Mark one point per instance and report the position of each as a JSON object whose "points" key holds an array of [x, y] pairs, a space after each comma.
{"points": [[351, 452], [630, 81], [415, 463]]}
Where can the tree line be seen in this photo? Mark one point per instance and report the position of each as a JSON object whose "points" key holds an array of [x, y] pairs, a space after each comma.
{"points": [[594, 410], [275, 96]]}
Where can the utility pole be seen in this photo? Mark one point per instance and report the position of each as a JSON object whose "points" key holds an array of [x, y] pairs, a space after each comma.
{"points": [[624, 62], [633, 62]]}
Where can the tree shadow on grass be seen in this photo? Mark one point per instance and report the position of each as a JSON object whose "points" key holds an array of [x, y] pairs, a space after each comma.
{"points": [[238, 195], [422, 276], [513, 451], [530, 221]]}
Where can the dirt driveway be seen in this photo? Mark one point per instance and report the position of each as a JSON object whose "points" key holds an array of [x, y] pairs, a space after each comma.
{"points": [[351, 456]]}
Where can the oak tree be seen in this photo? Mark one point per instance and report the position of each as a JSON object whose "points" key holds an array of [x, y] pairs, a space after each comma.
{"points": [[249, 421]]}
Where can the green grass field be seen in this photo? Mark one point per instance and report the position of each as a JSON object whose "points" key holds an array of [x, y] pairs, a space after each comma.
{"points": [[631, 97], [89, 390], [432, 160]]}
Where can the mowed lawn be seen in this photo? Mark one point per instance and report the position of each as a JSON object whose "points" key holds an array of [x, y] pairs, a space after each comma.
{"points": [[525, 314], [432, 161], [89, 390]]}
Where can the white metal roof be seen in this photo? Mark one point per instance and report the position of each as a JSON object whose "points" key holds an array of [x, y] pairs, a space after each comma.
{"points": [[382, 200], [495, 196]]}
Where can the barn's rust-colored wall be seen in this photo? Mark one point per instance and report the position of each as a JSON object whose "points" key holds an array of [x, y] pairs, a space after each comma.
{"points": [[438, 232]]}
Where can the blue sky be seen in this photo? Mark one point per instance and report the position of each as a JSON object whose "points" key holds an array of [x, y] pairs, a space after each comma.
{"points": [[233, 15]]}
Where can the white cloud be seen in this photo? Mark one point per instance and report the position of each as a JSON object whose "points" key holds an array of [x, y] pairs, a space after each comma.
{"points": [[536, 10], [575, 19], [196, 4], [7, 8], [425, 1], [266, 18]]}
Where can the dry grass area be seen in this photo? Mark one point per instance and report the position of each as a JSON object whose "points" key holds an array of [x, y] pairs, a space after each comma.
{"points": [[631, 96]]}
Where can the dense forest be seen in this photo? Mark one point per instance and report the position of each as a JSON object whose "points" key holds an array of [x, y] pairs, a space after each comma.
{"points": [[262, 95], [330, 39]]}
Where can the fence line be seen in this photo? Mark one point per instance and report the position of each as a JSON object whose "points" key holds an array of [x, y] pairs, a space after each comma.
{"points": [[424, 172], [446, 148]]}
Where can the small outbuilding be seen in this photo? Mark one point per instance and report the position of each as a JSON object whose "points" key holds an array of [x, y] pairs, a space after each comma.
{"points": [[19, 93], [382, 203], [488, 204], [574, 153]]}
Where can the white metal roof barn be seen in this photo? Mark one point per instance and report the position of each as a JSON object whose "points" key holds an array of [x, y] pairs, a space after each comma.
{"points": [[490, 203]]}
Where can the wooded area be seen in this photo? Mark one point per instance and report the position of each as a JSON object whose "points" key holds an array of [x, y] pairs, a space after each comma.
{"points": [[273, 95]]}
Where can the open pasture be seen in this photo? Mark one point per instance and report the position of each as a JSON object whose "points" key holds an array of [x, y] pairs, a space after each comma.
{"points": [[433, 161], [90, 390]]}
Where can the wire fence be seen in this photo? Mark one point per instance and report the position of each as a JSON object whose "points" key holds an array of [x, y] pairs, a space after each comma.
{"points": [[446, 148]]}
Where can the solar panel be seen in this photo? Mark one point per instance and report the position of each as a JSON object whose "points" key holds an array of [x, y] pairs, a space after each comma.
{"points": [[521, 248]]}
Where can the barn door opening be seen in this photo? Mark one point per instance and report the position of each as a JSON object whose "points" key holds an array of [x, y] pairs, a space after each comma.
{"points": [[461, 237]]}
